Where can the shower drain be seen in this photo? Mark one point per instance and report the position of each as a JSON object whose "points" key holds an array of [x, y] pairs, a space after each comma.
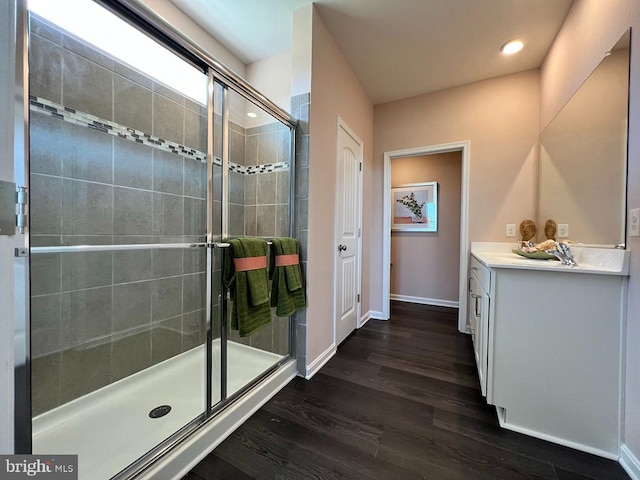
{"points": [[160, 411]]}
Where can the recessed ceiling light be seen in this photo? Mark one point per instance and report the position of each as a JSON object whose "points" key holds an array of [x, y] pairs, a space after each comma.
{"points": [[252, 115], [509, 48]]}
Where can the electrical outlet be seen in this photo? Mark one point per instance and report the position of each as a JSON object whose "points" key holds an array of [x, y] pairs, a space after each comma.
{"points": [[511, 229], [634, 222], [563, 230]]}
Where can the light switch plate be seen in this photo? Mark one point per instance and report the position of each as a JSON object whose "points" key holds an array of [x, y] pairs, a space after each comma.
{"points": [[563, 230], [634, 222], [511, 229]]}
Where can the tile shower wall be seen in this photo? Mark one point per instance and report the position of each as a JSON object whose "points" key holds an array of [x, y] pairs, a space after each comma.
{"points": [[259, 205], [266, 191], [98, 317], [300, 105], [236, 180]]}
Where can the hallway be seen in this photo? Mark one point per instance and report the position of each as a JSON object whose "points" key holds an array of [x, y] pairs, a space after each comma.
{"points": [[400, 400]]}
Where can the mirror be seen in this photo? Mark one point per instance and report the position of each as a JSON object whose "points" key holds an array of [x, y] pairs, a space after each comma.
{"points": [[583, 156]]}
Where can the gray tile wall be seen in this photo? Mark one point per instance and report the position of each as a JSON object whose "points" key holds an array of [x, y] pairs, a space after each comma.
{"points": [[300, 105], [264, 199], [100, 316], [266, 195], [237, 154]]}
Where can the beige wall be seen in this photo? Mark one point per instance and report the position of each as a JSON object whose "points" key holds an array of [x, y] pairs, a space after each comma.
{"points": [[591, 28], [500, 118], [426, 265], [271, 76], [335, 91], [197, 34], [301, 50]]}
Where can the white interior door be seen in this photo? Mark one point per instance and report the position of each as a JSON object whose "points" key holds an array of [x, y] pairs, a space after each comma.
{"points": [[348, 228]]}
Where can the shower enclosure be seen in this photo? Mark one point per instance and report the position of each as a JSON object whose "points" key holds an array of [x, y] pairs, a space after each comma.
{"points": [[135, 183]]}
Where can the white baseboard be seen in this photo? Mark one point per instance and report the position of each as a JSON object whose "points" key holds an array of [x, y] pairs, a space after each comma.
{"points": [[551, 438], [377, 315], [629, 462], [364, 319], [319, 362], [425, 301]]}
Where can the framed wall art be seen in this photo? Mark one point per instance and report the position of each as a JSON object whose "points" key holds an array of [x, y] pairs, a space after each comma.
{"points": [[414, 207]]}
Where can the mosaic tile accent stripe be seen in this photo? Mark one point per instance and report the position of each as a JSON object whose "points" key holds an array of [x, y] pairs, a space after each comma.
{"points": [[266, 168], [112, 128], [42, 105]]}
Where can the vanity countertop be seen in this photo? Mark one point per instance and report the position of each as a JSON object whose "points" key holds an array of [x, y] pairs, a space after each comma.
{"points": [[592, 260]]}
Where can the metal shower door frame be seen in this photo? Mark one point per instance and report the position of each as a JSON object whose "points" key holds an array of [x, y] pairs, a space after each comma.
{"points": [[142, 18]]}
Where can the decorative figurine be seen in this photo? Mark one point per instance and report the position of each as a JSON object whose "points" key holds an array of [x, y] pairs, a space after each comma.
{"points": [[550, 229], [528, 230]]}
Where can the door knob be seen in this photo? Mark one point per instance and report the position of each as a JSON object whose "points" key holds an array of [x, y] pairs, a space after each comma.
{"points": [[342, 248]]}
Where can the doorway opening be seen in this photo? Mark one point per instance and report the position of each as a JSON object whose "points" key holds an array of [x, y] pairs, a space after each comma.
{"points": [[462, 147]]}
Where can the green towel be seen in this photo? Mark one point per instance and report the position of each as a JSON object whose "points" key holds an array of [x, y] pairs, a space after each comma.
{"points": [[287, 286], [249, 289]]}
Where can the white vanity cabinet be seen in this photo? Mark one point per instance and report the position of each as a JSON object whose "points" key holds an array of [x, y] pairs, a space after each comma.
{"points": [[478, 316], [553, 348]]}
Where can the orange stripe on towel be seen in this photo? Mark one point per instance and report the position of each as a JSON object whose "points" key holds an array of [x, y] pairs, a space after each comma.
{"points": [[286, 260], [249, 263]]}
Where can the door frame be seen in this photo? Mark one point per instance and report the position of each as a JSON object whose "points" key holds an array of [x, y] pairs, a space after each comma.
{"points": [[463, 147], [359, 321]]}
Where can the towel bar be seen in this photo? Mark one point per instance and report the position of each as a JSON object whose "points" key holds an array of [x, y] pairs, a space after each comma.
{"points": [[110, 248], [135, 246], [227, 245]]}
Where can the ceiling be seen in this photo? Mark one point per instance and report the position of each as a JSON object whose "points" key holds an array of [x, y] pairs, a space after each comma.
{"points": [[396, 48]]}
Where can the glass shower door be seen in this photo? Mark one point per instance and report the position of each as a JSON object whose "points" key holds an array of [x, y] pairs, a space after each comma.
{"points": [[255, 180], [118, 205], [137, 183]]}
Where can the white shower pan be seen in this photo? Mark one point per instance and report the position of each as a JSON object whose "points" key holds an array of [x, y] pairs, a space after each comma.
{"points": [[111, 428]]}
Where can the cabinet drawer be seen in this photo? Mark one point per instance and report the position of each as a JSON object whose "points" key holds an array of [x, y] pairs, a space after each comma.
{"points": [[481, 272]]}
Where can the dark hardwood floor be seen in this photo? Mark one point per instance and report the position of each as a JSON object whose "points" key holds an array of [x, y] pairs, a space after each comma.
{"points": [[400, 400]]}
